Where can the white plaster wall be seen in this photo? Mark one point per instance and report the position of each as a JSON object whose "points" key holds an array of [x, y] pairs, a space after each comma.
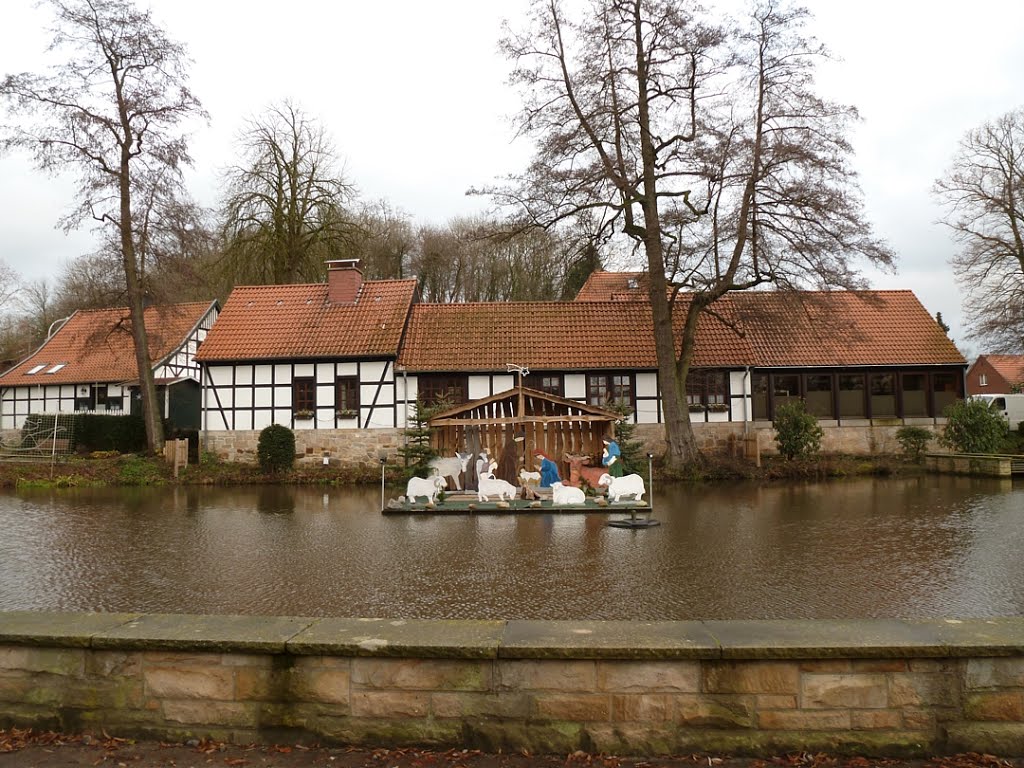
{"points": [[503, 382], [479, 386], [575, 386], [647, 385]]}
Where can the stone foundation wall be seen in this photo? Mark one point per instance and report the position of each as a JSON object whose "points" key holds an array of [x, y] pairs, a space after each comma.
{"points": [[883, 687], [363, 447], [350, 447], [860, 438]]}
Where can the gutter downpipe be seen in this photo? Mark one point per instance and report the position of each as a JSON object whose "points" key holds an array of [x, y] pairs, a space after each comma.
{"points": [[748, 401]]}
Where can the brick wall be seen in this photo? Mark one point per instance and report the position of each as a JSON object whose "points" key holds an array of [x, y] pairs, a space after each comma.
{"points": [[887, 687]]}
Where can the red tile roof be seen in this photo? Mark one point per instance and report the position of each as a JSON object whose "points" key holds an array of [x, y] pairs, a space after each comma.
{"points": [[1010, 367], [841, 328], [97, 346], [613, 286], [757, 328], [266, 322], [550, 336]]}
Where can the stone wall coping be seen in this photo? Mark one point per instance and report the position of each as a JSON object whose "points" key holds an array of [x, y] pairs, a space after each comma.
{"points": [[469, 639]]}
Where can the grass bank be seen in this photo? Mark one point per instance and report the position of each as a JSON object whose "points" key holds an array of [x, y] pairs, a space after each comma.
{"points": [[109, 469]]}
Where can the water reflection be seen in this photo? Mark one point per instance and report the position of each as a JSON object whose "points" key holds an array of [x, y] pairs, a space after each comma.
{"points": [[918, 547]]}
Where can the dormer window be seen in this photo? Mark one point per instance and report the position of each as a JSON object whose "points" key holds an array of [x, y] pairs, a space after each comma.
{"points": [[56, 368], [35, 369]]}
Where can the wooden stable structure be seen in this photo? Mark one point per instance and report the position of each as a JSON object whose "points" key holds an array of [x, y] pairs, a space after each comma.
{"points": [[547, 423]]}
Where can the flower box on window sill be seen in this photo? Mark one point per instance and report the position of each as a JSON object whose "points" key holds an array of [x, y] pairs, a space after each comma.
{"points": [[718, 408], [345, 414], [300, 415], [696, 407]]}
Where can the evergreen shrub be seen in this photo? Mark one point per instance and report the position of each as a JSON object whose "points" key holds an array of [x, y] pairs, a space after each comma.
{"points": [[275, 450], [913, 441], [973, 427], [798, 432]]}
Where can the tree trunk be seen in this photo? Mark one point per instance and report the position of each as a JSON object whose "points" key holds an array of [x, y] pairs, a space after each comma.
{"points": [[147, 387], [679, 439]]}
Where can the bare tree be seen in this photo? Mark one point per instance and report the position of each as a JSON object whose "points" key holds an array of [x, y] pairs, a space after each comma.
{"points": [[983, 194], [384, 239], [10, 282], [111, 110], [703, 144], [284, 210]]}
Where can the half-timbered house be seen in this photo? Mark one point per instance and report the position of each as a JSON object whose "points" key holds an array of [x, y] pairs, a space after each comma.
{"points": [[311, 357], [88, 364], [849, 355]]}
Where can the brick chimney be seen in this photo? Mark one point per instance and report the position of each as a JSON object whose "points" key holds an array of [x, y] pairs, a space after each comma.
{"points": [[344, 278]]}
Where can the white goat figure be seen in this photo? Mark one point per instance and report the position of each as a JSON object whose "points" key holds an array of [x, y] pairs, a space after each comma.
{"points": [[563, 495], [452, 466], [627, 485], [529, 478], [424, 486], [489, 485]]}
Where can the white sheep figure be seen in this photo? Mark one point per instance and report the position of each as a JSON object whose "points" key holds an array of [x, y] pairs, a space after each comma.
{"points": [[564, 495], [451, 466], [529, 478], [627, 485], [424, 486], [489, 485]]}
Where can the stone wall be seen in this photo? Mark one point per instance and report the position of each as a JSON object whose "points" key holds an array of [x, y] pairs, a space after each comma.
{"points": [[363, 447], [350, 447], [886, 687], [860, 438]]}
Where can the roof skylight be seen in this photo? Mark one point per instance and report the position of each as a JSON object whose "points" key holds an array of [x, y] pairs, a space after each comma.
{"points": [[35, 369], [56, 368]]}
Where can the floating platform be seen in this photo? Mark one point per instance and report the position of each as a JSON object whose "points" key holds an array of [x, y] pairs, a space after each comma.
{"points": [[467, 504]]}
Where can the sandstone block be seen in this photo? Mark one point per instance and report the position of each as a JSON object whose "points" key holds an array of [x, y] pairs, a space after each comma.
{"points": [[1001, 706], [109, 663], [826, 666], [55, 661], [993, 673], [918, 719], [578, 708], [774, 701], [473, 704], [751, 677], [878, 665], [323, 685], [390, 704], [260, 660], [256, 684], [545, 675], [725, 712], [188, 682], [648, 676], [803, 720], [844, 691], [876, 719], [915, 690], [213, 714], [422, 674], [639, 707]]}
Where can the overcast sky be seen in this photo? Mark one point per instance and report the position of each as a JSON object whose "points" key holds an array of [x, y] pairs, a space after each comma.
{"points": [[414, 96]]}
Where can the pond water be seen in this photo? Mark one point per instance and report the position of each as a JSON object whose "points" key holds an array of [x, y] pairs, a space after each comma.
{"points": [[920, 547]]}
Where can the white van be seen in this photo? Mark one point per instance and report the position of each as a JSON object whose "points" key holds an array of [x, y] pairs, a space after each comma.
{"points": [[1011, 407]]}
